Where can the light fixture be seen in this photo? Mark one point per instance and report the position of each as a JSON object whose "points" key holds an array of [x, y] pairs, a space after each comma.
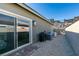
{"points": [[34, 23]]}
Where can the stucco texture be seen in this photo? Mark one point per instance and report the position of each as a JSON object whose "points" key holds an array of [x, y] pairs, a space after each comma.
{"points": [[41, 25]]}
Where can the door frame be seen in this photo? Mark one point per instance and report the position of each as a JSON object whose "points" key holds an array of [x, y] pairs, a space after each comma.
{"points": [[16, 16]]}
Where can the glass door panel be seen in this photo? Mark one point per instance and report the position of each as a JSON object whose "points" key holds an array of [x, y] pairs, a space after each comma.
{"points": [[23, 32], [6, 33]]}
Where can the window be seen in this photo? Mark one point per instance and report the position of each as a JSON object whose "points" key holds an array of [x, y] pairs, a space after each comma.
{"points": [[14, 32], [6, 33], [23, 32]]}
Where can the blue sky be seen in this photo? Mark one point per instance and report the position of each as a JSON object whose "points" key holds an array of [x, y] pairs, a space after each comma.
{"points": [[58, 11]]}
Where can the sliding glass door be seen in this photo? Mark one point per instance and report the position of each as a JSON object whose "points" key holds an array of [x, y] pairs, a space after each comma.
{"points": [[6, 33], [14, 32], [23, 32]]}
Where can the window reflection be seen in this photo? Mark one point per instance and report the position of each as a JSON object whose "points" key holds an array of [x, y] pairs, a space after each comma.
{"points": [[23, 32], [12, 33], [6, 33]]}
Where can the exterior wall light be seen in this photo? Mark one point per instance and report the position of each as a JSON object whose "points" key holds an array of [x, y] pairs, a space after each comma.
{"points": [[34, 23]]}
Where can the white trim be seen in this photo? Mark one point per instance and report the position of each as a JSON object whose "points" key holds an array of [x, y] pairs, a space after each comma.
{"points": [[31, 34], [13, 14], [33, 11], [14, 31], [17, 16], [17, 32]]}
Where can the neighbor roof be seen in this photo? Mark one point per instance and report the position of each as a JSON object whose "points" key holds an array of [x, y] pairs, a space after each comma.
{"points": [[33, 11]]}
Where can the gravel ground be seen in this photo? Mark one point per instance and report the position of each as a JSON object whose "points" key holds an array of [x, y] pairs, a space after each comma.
{"points": [[56, 47]]}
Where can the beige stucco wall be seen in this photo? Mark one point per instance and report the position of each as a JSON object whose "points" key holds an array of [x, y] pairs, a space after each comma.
{"points": [[41, 24], [74, 27]]}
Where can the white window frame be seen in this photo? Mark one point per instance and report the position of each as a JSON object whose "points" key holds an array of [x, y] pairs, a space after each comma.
{"points": [[2, 11]]}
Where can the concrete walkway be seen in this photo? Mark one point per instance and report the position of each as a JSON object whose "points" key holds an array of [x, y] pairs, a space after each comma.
{"points": [[56, 47]]}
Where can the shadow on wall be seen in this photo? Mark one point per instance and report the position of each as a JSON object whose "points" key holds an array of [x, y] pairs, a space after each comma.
{"points": [[73, 40]]}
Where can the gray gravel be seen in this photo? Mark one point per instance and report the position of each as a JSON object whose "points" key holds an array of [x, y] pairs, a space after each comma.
{"points": [[56, 47]]}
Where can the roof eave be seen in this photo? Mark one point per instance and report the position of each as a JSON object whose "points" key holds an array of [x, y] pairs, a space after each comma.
{"points": [[33, 11]]}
